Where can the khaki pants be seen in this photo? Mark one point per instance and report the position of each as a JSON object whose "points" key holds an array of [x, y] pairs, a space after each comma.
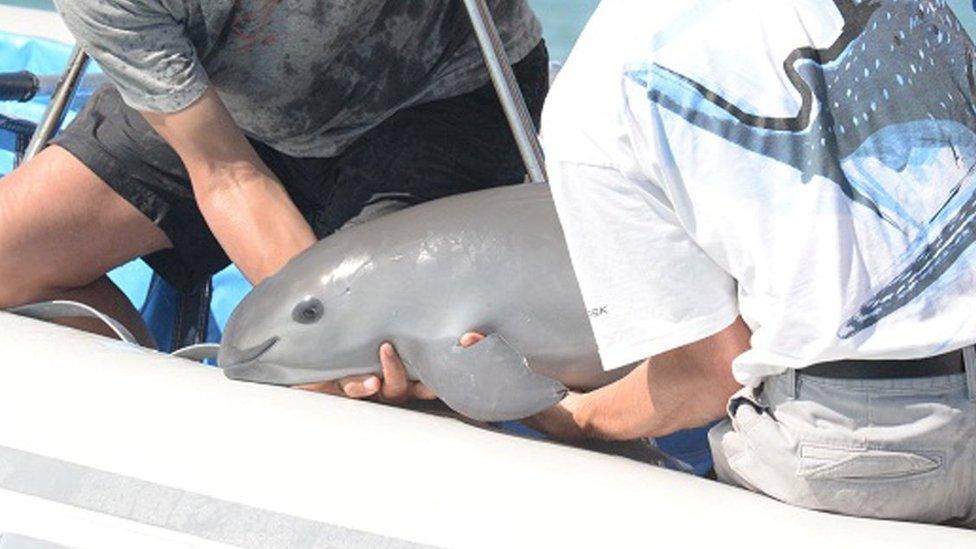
{"points": [[896, 449]]}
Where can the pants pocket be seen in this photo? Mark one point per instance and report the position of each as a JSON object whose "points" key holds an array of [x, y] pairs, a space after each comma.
{"points": [[839, 451], [820, 462]]}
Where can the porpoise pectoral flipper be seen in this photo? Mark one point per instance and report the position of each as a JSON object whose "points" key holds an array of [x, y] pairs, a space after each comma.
{"points": [[489, 381]]}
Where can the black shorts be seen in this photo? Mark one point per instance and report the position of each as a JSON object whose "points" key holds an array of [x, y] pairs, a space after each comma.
{"points": [[421, 153]]}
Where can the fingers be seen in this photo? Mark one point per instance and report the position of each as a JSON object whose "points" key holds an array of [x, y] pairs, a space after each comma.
{"points": [[396, 385], [352, 387], [471, 338], [360, 386], [327, 387]]}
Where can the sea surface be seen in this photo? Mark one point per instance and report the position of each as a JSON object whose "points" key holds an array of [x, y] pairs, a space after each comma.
{"points": [[562, 22]]}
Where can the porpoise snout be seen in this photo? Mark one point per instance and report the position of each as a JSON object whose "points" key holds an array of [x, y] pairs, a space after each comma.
{"points": [[251, 364], [230, 355]]}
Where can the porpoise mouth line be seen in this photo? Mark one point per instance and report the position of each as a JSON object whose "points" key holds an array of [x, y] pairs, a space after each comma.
{"points": [[250, 355]]}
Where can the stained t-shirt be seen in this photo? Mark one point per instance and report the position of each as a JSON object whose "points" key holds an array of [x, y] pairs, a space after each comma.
{"points": [[306, 77], [809, 165]]}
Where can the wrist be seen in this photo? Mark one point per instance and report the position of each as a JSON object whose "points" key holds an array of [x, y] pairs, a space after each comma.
{"points": [[582, 408]]}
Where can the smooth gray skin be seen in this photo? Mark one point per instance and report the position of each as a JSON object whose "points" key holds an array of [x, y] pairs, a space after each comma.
{"points": [[493, 262]]}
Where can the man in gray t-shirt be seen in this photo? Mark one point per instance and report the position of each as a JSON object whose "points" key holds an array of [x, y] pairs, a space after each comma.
{"points": [[306, 77], [245, 130]]}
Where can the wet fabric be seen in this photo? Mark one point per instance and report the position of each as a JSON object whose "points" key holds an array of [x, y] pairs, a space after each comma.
{"points": [[818, 179], [304, 77], [421, 153]]}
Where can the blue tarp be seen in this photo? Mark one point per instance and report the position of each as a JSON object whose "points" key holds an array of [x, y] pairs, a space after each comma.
{"points": [[38, 56]]}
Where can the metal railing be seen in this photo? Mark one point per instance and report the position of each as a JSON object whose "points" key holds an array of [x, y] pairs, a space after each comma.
{"points": [[507, 88], [61, 97]]}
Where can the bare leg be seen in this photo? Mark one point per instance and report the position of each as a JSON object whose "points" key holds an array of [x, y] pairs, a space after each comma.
{"points": [[61, 229]]}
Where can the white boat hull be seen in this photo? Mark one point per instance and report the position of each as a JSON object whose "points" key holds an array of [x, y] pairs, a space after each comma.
{"points": [[136, 442]]}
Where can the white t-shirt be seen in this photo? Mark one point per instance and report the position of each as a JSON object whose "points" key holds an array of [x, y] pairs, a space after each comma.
{"points": [[711, 158]]}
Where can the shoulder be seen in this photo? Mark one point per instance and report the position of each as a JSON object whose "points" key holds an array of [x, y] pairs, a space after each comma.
{"points": [[132, 25], [115, 14], [128, 38]]}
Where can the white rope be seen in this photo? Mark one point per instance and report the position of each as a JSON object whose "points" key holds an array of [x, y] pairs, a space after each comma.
{"points": [[52, 310], [198, 353]]}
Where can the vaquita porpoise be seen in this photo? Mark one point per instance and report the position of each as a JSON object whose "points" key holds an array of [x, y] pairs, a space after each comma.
{"points": [[492, 262]]}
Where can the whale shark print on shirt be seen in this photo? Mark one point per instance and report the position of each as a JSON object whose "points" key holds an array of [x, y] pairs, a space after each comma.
{"points": [[898, 80]]}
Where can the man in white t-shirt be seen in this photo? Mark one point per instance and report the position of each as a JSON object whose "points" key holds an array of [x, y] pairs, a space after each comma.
{"points": [[782, 190]]}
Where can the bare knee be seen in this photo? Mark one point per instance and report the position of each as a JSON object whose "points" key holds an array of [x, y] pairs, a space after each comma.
{"points": [[23, 279], [62, 228], [15, 284], [18, 284], [42, 231], [18, 290]]}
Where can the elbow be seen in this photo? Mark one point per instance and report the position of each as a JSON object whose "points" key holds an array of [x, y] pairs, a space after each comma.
{"points": [[712, 405]]}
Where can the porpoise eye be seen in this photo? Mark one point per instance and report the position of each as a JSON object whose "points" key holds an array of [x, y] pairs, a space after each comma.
{"points": [[309, 311]]}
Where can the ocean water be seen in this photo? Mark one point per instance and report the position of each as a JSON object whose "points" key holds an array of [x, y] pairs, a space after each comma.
{"points": [[562, 22]]}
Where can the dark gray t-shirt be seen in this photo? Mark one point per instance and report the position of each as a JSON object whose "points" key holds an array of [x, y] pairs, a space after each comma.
{"points": [[306, 77]]}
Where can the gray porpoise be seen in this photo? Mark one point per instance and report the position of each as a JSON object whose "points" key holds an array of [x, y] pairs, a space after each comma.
{"points": [[492, 262]]}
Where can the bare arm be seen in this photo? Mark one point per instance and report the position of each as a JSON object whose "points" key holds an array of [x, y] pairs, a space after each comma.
{"points": [[249, 211], [680, 389], [243, 203]]}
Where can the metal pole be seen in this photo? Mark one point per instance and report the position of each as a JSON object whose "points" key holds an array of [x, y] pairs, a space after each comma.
{"points": [[500, 69], [61, 99]]}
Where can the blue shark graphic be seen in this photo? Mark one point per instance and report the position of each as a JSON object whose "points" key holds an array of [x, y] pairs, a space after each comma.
{"points": [[886, 110]]}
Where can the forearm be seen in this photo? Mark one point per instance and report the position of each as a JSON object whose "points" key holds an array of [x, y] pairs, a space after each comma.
{"points": [[245, 206], [252, 217], [658, 398], [684, 388]]}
